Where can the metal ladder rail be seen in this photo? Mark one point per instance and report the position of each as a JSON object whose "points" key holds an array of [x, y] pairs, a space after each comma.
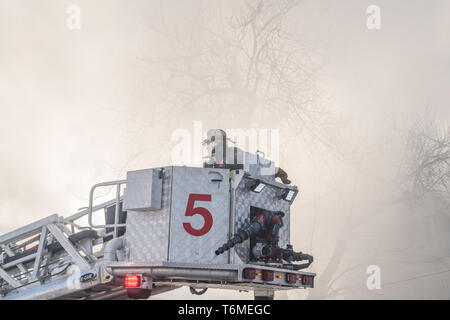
{"points": [[33, 230], [116, 224], [91, 208], [55, 227], [35, 227], [10, 239], [34, 260]]}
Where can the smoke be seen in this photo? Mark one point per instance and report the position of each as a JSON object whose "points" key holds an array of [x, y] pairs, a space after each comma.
{"points": [[83, 106]]}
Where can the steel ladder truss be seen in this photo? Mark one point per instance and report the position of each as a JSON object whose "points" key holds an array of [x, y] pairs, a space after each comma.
{"points": [[55, 257]]}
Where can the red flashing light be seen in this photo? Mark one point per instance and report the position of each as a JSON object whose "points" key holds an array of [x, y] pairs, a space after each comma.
{"points": [[308, 280], [132, 281], [291, 278], [249, 273], [268, 275]]}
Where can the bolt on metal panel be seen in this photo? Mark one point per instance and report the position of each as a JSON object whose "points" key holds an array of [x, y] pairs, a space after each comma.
{"points": [[147, 235]]}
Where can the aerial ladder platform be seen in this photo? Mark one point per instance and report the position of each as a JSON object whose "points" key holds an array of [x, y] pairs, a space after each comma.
{"points": [[224, 225]]}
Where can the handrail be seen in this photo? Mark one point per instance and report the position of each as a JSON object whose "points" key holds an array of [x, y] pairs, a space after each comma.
{"points": [[90, 210], [28, 230], [273, 184], [81, 214]]}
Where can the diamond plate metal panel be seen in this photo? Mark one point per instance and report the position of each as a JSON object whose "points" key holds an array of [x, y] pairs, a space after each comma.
{"points": [[147, 234], [157, 236], [266, 199], [186, 247]]}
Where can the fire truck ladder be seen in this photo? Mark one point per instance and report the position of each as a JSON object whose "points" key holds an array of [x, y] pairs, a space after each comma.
{"points": [[56, 258]]}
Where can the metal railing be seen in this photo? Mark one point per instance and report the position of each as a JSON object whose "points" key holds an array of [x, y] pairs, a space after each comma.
{"points": [[28, 266]]}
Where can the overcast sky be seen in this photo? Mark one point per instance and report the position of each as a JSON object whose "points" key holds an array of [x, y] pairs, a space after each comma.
{"points": [[77, 107]]}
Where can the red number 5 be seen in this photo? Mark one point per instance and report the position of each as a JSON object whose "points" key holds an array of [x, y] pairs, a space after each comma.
{"points": [[190, 211]]}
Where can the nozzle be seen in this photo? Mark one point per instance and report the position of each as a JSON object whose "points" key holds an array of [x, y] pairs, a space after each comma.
{"points": [[241, 236], [290, 255]]}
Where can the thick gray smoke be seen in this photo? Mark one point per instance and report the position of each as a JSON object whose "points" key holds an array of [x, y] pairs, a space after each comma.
{"points": [[84, 106]]}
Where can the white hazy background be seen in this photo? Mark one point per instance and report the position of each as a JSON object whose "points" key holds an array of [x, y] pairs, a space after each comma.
{"points": [[78, 107]]}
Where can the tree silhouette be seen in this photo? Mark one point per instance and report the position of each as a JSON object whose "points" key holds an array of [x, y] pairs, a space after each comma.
{"points": [[241, 63], [428, 165]]}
